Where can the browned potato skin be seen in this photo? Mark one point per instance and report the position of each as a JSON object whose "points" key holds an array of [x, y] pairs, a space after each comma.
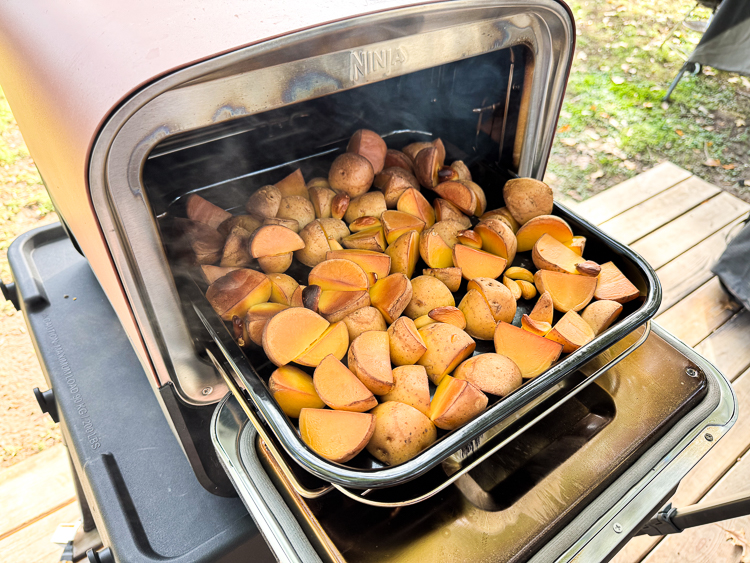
{"points": [[351, 174], [401, 432]]}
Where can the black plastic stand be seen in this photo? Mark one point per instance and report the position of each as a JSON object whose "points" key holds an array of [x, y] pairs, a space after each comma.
{"points": [[134, 480]]}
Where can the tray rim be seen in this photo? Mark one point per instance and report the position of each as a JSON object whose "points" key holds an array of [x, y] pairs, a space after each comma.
{"points": [[451, 443]]}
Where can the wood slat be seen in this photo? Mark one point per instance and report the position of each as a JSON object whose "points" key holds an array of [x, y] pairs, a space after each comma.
{"points": [[690, 270], [659, 210], [631, 192], [727, 348], [34, 488], [700, 313], [705, 474], [708, 544], [33, 542], [686, 231]]}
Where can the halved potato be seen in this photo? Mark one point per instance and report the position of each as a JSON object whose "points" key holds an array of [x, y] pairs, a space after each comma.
{"points": [[459, 194], [213, 273], [401, 432], [540, 328], [264, 202], [428, 293], [362, 320], [297, 207], [335, 306], [411, 201], [340, 389], [577, 245], [445, 210], [456, 402], [336, 435], [391, 296], [368, 239], [321, 198], [497, 238], [404, 254], [370, 204], [412, 387], [500, 300], [448, 314], [394, 181], [293, 390], [374, 262], [527, 198], [235, 253], [447, 346], [370, 145], [351, 174], [406, 344], [338, 275], [569, 292], [451, 277], [396, 223], [491, 373], [531, 353], [207, 243], [479, 320], [282, 288], [273, 240], [370, 360], [437, 242], [504, 215], [256, 319]]}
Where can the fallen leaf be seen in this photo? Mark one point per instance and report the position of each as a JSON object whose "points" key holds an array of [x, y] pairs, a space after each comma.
{"points": [[598, 174], [618, 80], [569, 142], [728, 166], [712, 162], [679, 132], [739, 123], [565, 128]]}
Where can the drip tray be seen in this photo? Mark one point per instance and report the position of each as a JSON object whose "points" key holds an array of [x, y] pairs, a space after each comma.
{"points": [[512, 504]]}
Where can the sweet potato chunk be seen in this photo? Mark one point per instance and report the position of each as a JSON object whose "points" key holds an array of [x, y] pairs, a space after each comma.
{"points": [[336, 435], [477, 263], [569, 292], [497, 238], [614, 286], [338, 275], [551, 225], [572, 332], [550, 254], [375, 262], [531, 353], [544, 309], [391, 295], [289, 333], [456, 402], [340, 389], [333, 342], [293, 389], [336, 305], [273, 240], [233, 294], [404, 254]]}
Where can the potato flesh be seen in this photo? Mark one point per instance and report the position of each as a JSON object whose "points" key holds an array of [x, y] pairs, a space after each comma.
{"points": [[340, 389], [336, 435]]}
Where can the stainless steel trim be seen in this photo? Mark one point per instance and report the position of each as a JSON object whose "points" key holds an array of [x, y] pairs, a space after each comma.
{"points": [[261, 77], [599, 541], [275, 522]]}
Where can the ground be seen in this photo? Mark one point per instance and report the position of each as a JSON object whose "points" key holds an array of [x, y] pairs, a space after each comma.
{"points": [[24, 204], [613, 125]]}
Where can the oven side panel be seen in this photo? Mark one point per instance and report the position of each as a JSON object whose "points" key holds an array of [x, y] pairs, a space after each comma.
{"points": [[66, 66]]}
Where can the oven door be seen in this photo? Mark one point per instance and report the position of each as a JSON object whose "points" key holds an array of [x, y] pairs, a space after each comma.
{"points": [[554, 504]]}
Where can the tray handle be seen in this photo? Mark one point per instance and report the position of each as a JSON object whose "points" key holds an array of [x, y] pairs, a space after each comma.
{"points": [[455, 476]]}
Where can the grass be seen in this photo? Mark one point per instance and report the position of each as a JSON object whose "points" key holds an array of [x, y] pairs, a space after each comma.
{"points": [[614, 125]]}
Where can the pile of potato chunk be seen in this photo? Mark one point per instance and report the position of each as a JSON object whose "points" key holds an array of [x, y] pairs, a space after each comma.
{"points": [[360, 341]]}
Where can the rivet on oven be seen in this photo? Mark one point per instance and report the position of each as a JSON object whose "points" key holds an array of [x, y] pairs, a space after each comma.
{"points": [[691, 372], [708, 437], [207, 390], [617, 527]]}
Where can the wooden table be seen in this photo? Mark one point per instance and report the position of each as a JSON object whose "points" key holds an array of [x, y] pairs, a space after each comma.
{"points": [[675, 220]]}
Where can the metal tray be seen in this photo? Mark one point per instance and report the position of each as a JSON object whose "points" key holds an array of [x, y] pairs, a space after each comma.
{"points": [[251, 368]]}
